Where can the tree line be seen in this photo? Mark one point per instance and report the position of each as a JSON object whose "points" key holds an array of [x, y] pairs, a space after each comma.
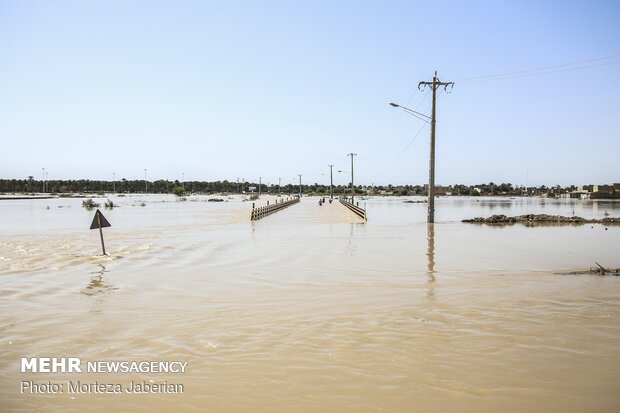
{"points": [[161, 186]]}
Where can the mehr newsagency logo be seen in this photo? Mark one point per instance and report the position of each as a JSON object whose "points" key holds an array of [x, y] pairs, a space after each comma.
{"points": [[51, 365]]}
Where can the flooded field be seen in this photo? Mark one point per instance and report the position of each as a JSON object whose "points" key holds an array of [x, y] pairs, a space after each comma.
{"points": [[311, 309]]}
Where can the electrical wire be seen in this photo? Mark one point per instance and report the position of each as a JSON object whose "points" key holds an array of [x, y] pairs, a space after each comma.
{"points": [[401, 153], [387, 144], [582, 64]]}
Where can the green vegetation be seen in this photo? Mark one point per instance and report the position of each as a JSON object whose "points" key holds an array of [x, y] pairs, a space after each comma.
{"points": [[179, 189], [90, 204]]}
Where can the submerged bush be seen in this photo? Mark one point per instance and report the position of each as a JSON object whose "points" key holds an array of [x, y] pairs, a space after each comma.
{"points": [[90, 204]]}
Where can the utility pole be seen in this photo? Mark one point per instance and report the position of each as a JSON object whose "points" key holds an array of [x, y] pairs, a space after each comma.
{"points": [[259, 186], [431, 167], [279, 186], [114, 182], [146, 183], [43, 181], [183, 181], [352, 184], [331, 182], [300, 187]]}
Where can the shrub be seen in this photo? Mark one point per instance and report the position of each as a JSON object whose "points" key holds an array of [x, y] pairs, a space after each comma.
{"points": [[90, 204]]}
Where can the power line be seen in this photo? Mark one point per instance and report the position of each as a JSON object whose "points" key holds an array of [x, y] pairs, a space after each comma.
{"points": [[434, 85], [387, 144], [352, 184], [401, 152], [582, 64]]}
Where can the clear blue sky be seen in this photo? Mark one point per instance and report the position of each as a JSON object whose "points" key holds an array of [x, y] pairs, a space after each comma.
{"points": [[226, 89]]}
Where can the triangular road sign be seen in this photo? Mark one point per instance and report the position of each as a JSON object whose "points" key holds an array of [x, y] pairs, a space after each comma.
{"points": [[104, 222]]}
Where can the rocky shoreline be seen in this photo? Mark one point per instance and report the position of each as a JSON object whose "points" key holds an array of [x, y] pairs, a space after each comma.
{"points": [[531, 219]]}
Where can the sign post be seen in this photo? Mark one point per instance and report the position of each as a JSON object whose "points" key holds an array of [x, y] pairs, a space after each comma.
{"points": [[99, 221]]}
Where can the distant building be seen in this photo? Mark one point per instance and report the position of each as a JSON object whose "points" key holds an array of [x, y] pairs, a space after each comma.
{"points": [[611, 191], [439, 189], [442, 190]]}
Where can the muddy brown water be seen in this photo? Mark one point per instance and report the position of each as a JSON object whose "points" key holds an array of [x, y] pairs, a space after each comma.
{"points": [[310, 309]]}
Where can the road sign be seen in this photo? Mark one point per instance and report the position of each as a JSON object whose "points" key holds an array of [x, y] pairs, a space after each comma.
{"points": [[99, 221]]}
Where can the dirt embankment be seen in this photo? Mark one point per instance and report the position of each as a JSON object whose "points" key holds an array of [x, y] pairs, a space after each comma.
{"points": [[541, 219]]}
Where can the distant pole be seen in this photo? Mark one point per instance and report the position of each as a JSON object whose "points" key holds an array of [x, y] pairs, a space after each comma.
{"points": [[183, 181], [300, 186], [279, 186], [114, 182], [331, 182], [43, 181], [352, 184], [431, 166], [259, 186], [146, 183], [47, 188]]}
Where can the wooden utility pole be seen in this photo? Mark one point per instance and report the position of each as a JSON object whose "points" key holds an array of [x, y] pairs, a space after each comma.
{"points": [[259, 186], [331, 182], [431, 167], [300, 187], [352, 184]]}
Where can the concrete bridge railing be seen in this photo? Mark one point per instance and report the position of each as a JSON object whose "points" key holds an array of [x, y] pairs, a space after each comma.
{"points": [[262, 212], [361, 212]]}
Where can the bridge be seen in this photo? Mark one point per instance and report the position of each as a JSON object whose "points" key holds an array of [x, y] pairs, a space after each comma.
{"points": [[361, 212], [262, 212]]}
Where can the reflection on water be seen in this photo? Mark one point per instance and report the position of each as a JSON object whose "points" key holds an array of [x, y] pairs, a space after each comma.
{"points": [[97, 285], [350, 240], [430, 250], [308, 310], [430, 254]]}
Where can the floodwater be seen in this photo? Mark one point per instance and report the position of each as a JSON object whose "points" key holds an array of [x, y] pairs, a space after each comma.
{"points": [[311, 309]]}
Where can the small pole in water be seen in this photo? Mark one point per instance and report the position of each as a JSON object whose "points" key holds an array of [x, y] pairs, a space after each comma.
{"points": [[101, 235], [100, 222]]}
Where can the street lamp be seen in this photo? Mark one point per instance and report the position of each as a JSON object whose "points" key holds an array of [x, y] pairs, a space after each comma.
{"points": [[431, 166], [352, 184], [432, 120], [331, 181], [412, 112]]}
